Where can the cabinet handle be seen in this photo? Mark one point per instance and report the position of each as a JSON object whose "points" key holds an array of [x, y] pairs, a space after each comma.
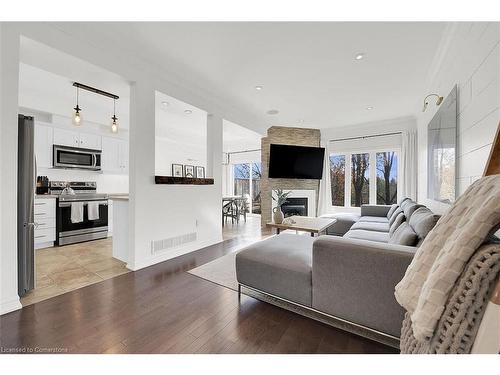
{"points": [[40, 213], [40, 204], [41, 236]]}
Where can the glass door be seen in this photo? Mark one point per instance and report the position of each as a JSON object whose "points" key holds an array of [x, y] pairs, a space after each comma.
{"points": [[246, 183]]}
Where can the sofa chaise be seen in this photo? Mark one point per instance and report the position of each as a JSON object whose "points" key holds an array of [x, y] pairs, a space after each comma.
{"points": [[349, 277]]}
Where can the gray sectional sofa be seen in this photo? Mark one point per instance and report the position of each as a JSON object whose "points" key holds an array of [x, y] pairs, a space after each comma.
{"points": [[349, 276]]}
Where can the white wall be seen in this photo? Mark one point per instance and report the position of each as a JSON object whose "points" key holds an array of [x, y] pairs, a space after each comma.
{"points": [[469, 57], [369, 128], [170, 152], [9, 66], [180, 138]]}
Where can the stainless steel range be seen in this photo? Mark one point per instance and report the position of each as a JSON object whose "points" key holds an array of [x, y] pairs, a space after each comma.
{"points": [[81, 213]]}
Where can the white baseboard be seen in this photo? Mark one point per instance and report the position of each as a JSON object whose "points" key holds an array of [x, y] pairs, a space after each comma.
{"points": [[10, 305], [172, 254]]}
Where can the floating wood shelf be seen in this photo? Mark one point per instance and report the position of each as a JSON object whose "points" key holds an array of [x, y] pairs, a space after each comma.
{"points": [[169, 180]]}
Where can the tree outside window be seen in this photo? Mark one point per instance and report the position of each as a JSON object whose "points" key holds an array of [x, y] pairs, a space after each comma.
{"points": [[256, 176], [247, 182], [360, 183], [337, 176], [387, 177]]}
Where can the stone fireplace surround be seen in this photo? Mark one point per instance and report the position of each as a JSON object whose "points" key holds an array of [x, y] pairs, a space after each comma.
{"points": [[286, 136]]}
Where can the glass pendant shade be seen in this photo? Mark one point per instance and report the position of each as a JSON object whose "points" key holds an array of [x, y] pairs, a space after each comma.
{"points": [[77, 117], [114, 125]]}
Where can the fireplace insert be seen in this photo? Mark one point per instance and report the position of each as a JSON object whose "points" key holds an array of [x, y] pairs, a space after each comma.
{"points": [[295, 207]]}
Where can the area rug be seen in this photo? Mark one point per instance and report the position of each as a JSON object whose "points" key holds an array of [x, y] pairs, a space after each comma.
{"points": [[221, 271]]}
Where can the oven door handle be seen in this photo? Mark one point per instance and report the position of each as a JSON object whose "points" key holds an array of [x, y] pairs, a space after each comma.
{"points": [[68, 204]]}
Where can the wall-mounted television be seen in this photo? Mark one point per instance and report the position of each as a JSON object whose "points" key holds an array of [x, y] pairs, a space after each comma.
{"points": [[302, 162]]}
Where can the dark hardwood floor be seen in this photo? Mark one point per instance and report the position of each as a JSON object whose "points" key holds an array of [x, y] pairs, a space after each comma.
{"points": [[163, 309]]}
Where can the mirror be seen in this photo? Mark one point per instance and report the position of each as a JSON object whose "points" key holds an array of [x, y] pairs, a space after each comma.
{"points": [[441, 151]]}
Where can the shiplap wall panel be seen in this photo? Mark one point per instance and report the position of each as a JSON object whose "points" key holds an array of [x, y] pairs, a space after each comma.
{"points": [[472, 61]]}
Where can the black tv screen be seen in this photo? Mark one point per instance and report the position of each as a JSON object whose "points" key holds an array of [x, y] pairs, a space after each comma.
{"points": [[296, 162]]}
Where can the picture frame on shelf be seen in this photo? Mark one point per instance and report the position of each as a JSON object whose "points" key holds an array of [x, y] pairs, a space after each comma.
{"points": [[177, 170], [200, 172], [189, 171]]}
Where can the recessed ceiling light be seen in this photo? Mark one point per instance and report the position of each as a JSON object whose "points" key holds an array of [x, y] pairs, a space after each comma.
{"points": [[273, 112], [359, 56], [166, 104], [258, 88], [188, 111], [369, 108]]}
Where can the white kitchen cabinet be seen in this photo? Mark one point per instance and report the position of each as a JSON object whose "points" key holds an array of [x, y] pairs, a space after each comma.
{"points": [[88, 140], [45, 218], [43, 145], [110, 155], [114, 155], [65, 137], [76, 139]]}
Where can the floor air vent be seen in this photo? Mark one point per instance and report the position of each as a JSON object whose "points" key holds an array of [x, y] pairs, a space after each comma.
{"points": [[172, 242]]}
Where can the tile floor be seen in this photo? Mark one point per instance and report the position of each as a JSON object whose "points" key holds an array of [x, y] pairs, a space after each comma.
{"points": [[62, 269]]}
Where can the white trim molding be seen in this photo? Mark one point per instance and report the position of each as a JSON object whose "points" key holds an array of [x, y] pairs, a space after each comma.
{"points": [[10, 305]]}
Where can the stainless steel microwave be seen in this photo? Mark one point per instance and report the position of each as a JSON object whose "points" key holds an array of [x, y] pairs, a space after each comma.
{"points": [[76, 158]]}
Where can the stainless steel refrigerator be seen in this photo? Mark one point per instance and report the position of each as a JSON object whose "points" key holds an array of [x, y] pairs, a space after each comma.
{"points": [[26, 177]]}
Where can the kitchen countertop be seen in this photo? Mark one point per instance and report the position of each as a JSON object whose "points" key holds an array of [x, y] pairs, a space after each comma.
{"points": [[45, 196], [118, 197]]}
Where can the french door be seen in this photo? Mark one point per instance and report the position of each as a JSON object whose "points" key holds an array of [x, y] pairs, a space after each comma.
{"points": [[246, 182]]}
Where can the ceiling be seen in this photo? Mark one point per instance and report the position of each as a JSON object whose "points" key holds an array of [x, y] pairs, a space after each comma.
{"points": [[307, 70], [238, 138]]}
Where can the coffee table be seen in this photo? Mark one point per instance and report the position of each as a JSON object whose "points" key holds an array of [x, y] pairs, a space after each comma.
{"points": [[313, 225]]}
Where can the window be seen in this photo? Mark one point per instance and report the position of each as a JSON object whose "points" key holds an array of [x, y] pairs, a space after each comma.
{"points": [[360, 179], [247, 182], [368, 177], [387, 177], [241, 179], [337, 175], [256, 175]]}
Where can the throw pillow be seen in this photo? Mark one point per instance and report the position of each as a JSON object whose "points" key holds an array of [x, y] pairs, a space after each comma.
{"points": [[403, 235], [422, 221], [403, 202], [395, 215], [397, 222], [410, 208], [391, 210]]}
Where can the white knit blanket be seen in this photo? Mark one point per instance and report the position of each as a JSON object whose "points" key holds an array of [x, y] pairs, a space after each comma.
{"points": [[442, 257]]}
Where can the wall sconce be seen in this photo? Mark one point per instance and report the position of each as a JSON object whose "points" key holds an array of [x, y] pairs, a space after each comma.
{"points": [[438, 101]]}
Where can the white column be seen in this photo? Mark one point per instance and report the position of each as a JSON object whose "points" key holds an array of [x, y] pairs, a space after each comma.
{"points": [[141, 168], [214, 154], [9, 93]]}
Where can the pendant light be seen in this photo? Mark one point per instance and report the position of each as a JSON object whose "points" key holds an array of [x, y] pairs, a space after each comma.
{"points": [[114, 119], [77, 117]]}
